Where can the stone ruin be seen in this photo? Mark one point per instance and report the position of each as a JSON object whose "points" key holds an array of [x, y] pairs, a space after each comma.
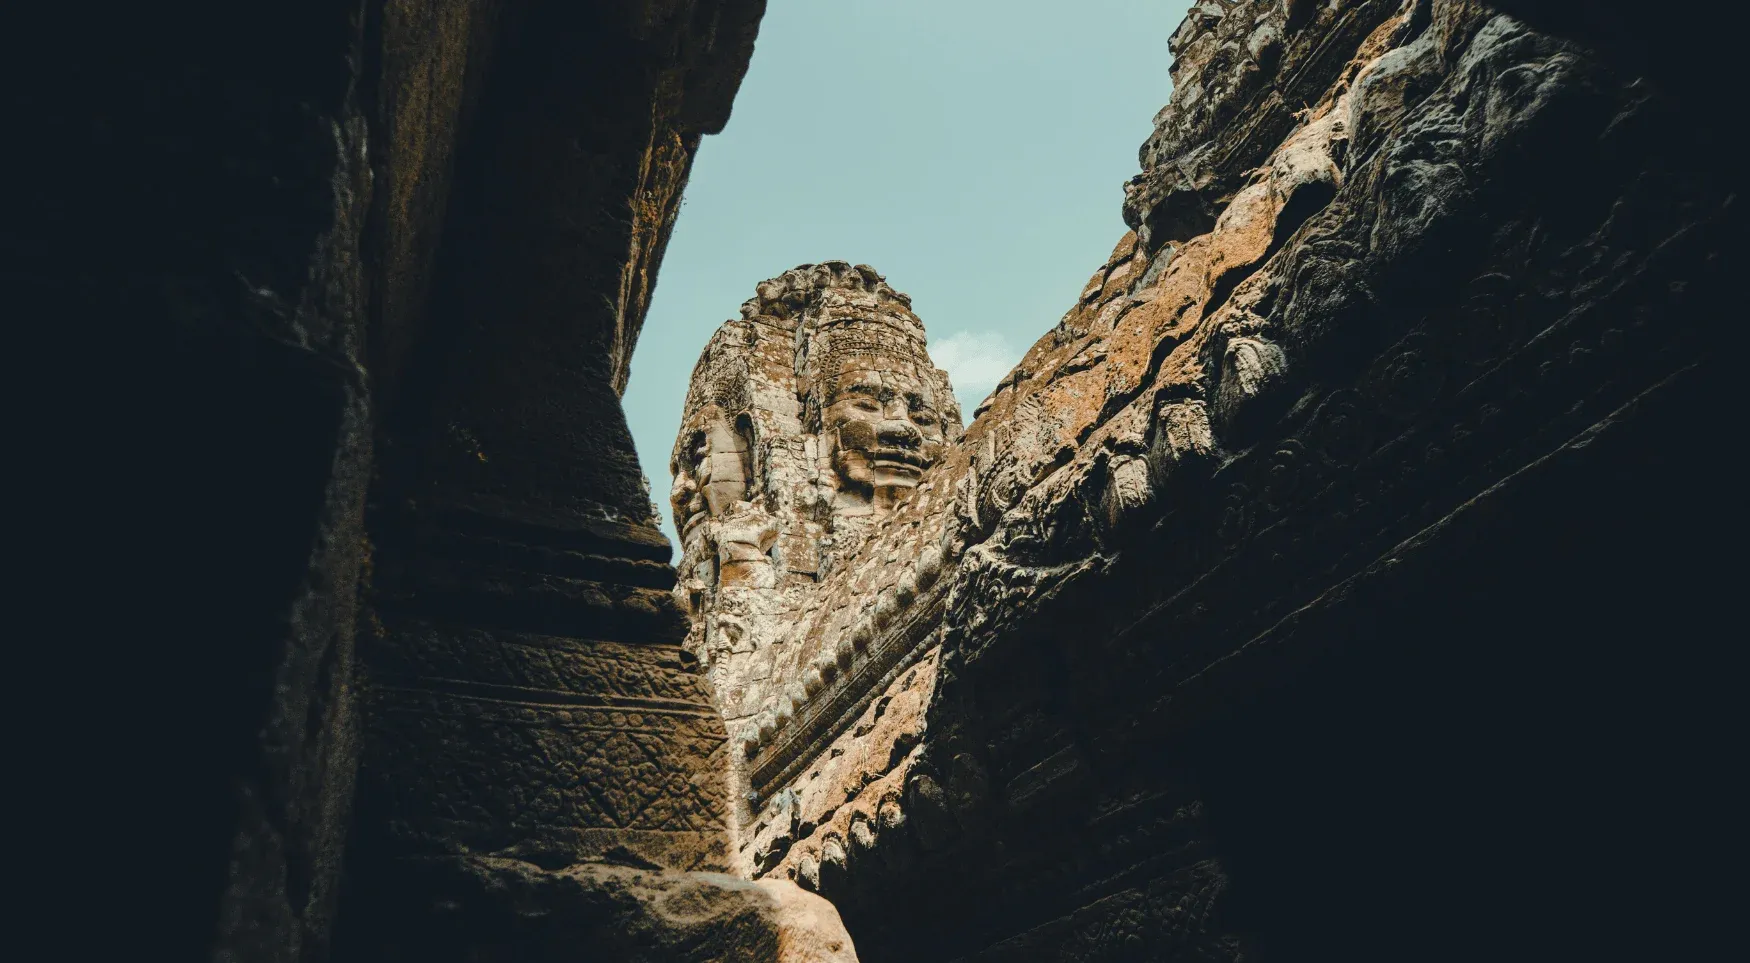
{"points": [[1345, 576], [1045, 703], [807, 421]]}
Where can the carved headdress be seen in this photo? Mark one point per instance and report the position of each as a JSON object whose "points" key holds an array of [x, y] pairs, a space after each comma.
{"points": [[839, 313], [820, 401]]}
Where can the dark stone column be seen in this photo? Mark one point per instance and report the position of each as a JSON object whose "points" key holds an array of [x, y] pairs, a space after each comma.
{"points": [[188, 229], [525, 693]]}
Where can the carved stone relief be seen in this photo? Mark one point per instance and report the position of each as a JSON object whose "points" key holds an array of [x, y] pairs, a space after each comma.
{"points": [[808, 420]]}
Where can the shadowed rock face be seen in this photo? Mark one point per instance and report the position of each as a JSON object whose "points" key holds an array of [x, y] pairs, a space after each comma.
{"points": [[1183, 650], [531, 721], [1337, 580], [378, 266], [602, 911]]}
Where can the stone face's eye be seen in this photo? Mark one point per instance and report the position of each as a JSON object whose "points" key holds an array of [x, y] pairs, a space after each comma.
{"points": [[919, 416], [866, 403]]}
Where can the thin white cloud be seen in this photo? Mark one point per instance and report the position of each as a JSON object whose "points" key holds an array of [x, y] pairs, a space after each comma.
{"points": [[975, 362]]}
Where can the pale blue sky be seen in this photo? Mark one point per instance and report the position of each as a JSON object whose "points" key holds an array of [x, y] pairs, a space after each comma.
{"points": [[973, 151]]}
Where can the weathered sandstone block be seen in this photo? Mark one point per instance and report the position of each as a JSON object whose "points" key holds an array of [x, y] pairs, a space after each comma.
{"points": [[809, 420], [1393, 265]]}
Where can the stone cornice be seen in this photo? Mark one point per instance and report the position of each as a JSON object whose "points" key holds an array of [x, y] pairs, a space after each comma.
{"points": [[885, 654]]}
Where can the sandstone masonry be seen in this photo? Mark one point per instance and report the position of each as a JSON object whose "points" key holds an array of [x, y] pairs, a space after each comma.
{"points": [[1023, 708], [808, 421]]}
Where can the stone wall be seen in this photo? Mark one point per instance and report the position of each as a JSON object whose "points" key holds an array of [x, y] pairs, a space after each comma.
{"points": [[189, 236], [356, 286], [1341, 577], [807, 421], [1323, 515], [534, 740]]}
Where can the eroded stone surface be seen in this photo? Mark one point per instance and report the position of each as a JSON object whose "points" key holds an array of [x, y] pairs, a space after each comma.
{"points": [[488, 906], [1369, 278], [524, 691], [809, 420]]}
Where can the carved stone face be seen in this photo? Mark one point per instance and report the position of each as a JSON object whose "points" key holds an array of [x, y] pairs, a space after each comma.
{"points": [[882, 423], [710, 471]]}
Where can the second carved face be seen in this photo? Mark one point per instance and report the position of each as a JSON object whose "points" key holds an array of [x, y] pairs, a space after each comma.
{"points": [[710, 470]]}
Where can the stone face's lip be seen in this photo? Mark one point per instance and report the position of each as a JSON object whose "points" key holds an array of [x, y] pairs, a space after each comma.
{"points": [[898, 458]]}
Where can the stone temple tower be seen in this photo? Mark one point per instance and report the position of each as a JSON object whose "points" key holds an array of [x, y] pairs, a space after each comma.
{"points": [[807, 419]]}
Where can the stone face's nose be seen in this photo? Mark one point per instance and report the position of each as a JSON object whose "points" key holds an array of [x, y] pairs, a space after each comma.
{"points": [[681, 495], [896, 433]]}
